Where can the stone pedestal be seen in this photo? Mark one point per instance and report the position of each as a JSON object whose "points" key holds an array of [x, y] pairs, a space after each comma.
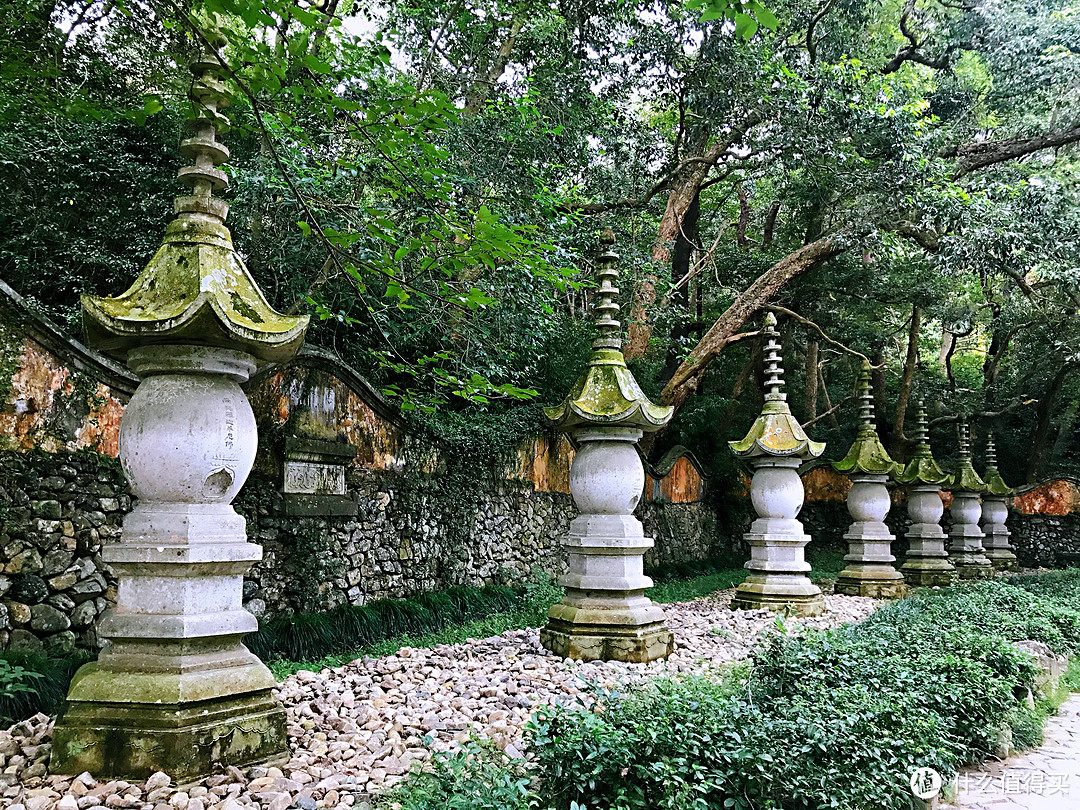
{"points": [[966, 549], [996, 544], [927, 562], [605, 614], [777, 566], [869, 570], [174, 683]]}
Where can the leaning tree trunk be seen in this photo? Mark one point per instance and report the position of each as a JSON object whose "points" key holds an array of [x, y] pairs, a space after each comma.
{"points": [[686, 379]]}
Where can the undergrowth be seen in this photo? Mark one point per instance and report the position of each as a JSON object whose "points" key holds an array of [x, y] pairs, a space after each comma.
{"points": [[818, 719]]}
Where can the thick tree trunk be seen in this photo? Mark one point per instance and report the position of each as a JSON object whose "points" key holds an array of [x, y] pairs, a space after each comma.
{"points": [[685, 186], [685, 380], [811, 393], [489, 72], [1042, 435], [681, 261], [898, 446]]}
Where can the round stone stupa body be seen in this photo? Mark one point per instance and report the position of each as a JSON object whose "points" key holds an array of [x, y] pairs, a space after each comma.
{"points": [[995, 511], [966, 549], [605, 614], [775, 447], [927, 562], [174, 689], [869, 570]]}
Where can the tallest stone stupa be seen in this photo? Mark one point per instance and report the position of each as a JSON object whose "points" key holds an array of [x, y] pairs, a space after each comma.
{"points": [[175, 689]]}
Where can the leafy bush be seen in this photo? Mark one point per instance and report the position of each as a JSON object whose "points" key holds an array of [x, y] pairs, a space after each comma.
{"points": [[477, 777], [824, 719]]}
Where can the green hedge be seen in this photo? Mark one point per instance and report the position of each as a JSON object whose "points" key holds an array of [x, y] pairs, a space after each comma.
{"points": [[834, 719]]}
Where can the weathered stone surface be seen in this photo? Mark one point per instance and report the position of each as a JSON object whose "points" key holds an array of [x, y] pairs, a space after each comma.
{"points": [[29, 589], [48, 619]]}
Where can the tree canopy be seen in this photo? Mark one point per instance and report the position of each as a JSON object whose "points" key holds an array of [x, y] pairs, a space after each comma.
{"points": [[895, 179]]}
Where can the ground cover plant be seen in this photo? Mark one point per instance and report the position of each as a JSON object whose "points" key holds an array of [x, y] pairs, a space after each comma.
{"points": [[834, 719]]}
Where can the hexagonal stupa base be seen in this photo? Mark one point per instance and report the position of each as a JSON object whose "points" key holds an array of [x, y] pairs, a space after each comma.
{"points": [[778, 593], [971, 567], [928, 572], [132, 740], [607, 642], [878, 581], [1003, 560]]}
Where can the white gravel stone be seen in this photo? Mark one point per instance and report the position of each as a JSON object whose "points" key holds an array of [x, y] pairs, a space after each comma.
{"points": [[360, 728]]}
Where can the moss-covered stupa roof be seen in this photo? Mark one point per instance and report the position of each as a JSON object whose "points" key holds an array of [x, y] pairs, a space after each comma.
{"points": [[965, 479], [867, 455], [995, 484], [775, 432], [606, 394], [196, 289], [922, 468]]}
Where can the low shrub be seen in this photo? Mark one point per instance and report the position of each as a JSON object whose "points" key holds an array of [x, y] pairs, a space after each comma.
{"points": [[835, 719]]}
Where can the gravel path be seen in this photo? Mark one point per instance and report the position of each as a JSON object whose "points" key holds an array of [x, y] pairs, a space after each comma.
{"points": [[360, 728]]}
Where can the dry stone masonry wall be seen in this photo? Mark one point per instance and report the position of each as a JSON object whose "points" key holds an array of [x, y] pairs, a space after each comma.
{"points": [[55, 514]]}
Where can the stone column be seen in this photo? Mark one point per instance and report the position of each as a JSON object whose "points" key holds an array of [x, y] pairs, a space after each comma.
{"points": [[175, 689], [927, 561], [605, 614], [995, 512], [966, 549], [869, 570], [775, 448]]}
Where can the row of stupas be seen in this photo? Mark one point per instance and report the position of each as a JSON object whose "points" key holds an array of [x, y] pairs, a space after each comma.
{"points": [[776, 446]]}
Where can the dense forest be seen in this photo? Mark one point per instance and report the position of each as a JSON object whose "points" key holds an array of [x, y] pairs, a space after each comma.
{"points": [[895, 179]]}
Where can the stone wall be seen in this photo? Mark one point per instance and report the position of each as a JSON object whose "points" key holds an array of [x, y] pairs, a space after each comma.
{"points": [[408, 535], [56, 511]]}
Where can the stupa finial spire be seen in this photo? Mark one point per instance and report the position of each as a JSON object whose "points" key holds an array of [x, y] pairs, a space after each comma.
{"points": [[995, 484], [203, 177], [867, 455], [774, 368], [605, 304], [196, 288], [607, 394], [866, 400], [922, 468], [775, 432], [966, 478]]}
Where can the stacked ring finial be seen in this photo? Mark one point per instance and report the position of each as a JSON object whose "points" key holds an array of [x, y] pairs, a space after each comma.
{"points": [[209, 95], [606, 306], [774, 369]]}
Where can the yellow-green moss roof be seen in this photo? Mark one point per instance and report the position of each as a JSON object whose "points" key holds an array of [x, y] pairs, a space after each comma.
{"points": [[607, 394], [196, 290]]}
